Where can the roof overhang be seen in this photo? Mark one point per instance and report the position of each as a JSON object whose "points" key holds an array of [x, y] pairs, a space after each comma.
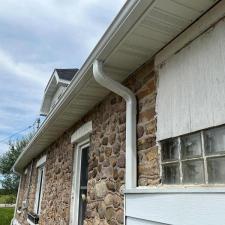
{"points": [[139, 31], [50, 90]]}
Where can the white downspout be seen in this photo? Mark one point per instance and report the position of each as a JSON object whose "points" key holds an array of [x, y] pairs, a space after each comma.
{"points": [[131, 111]]}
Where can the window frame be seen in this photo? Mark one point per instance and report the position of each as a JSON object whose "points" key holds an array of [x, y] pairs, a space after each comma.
{"points": [[75, 200], [40, 183], [203, 157]]}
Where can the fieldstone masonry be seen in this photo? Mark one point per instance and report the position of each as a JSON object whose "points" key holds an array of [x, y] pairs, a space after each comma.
{"points": [[105, 199]]}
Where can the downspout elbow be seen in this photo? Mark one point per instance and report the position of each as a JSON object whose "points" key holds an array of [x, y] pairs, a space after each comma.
{"points": [[131, 111]]}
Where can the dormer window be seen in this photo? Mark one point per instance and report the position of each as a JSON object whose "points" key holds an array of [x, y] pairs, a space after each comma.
{"points": [[56, 86]]}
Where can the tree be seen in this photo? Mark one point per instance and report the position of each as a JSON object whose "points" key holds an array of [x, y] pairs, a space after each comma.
{"points": [[10, 180]]}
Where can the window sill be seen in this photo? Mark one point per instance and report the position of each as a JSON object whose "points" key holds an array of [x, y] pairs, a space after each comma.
{"points": [[31, 223], [176, 189]]}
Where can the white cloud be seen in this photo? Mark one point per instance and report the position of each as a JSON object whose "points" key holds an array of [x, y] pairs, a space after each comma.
{"points": [[26, 71], [36, 37]]}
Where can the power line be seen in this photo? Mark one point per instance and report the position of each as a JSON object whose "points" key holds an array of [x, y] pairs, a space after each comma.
{"points": [[18, 132]]}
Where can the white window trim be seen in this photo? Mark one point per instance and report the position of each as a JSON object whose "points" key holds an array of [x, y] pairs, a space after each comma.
{"points": [[74, 211], [41, 161], [82, 133], [81, 138]]}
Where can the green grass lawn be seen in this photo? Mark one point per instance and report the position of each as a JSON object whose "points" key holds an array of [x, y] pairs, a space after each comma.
{"points": [[6, 215]]}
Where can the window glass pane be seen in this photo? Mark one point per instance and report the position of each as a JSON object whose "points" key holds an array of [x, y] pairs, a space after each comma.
{"points": [[170, 149], [171, 174], [215, 140], [216, 170], [191, 146], [193, 172]]}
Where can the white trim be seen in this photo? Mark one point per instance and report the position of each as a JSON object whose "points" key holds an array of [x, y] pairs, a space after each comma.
{"points": [[74, 211], [199, 27], [82, 133], [170, 189], [15, 222], [17, 197], [39, 189], [41, 161]]}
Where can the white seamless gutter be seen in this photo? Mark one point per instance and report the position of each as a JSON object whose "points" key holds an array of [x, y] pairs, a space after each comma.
{"points": [[131, 111]]}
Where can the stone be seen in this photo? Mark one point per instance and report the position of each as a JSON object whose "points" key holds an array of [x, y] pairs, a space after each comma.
{"points": [[109, 199], [146, 143], [113, 161], [115, 174], [112, 138], [140, 131], [117, 201], [100, 189], [106, 163], [101, 210], [108, 151], [101, 158], [116, 148], [107, 172], [122, 118], [152, 154], [146, 116], [120, 216], [150, 128], [105, 141], [121, 174], [110, 213], [110, 185], [121, 161]]}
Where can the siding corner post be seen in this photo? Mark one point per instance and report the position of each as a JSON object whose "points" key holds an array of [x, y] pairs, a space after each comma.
{"points": [[131, 111]]}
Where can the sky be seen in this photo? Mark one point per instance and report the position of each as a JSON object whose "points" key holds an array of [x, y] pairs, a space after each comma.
{"points": [[36, 37]]}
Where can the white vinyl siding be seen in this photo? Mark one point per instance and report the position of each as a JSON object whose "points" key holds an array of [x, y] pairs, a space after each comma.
{"points": [[196, 207], [191, 93]]}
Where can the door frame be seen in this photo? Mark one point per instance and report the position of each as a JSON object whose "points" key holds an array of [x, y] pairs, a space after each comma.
{"points": [[75, 200]]}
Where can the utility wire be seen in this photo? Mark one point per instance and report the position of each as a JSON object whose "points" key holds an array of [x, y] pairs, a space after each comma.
{"points": [[19, 132]]}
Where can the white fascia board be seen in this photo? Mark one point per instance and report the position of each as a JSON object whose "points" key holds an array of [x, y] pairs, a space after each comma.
{"points": [[82, 133], [126, 18]]}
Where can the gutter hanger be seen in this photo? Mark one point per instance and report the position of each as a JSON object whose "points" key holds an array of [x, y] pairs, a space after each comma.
{"points": [[131, 111]]}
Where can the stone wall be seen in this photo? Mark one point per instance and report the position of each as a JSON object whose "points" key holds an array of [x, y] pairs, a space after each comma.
{"points": [[107, 157]]}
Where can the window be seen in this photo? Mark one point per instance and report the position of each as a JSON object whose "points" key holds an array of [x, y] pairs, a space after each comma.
{"points": [[197, 158], [80, 180], [39, 186], [80, 173]]}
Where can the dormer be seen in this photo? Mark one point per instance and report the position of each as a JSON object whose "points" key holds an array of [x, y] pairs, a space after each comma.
{"points": [[56, 86]]}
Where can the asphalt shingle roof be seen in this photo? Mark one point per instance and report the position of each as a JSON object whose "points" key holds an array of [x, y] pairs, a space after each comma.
{"points": [[66, 74]]}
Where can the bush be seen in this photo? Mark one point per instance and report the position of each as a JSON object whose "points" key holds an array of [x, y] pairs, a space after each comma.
{"points": [[10, 199]]}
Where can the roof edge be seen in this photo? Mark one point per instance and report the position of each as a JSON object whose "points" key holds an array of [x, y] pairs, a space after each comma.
{"points": [[114, 28]]}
